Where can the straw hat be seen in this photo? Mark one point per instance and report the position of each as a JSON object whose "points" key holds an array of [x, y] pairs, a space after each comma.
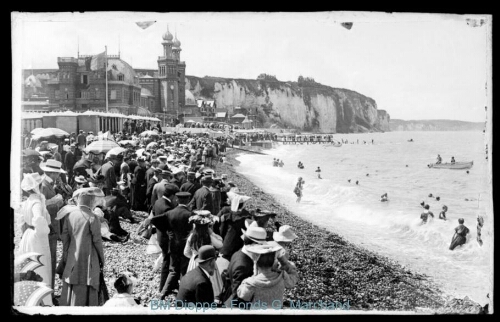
{"points": [[257, 234], [263, 248], [52, 166], [284, 234]]}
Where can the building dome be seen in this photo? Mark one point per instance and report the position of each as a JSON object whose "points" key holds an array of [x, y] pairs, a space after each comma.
{"points": [[177, 43], [167, 36]]}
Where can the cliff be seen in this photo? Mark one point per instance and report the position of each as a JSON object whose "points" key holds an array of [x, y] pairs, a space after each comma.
{"points": [[308, 107], [435, 125]]}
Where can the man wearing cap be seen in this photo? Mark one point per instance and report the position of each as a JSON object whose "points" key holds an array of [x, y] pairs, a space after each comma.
{"points": [[191, 185], [241, 265], [178, 228], [202, 199], [196, 287], [159, 188], [69, 162], [178, 177], [139, 186], [151, 171], [53, 203], [108, 171]]}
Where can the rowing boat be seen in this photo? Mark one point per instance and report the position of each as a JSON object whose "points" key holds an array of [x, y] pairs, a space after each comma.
{"points": [[456, 165]]}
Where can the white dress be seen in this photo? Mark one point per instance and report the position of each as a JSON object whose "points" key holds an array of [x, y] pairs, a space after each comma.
{"points": [[191, 253], [34, 213]]}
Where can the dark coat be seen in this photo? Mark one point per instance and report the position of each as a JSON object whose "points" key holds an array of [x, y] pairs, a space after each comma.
{"points": [[178, 227], [191, 188], [195, 287], [159, 220], [240, 267], [108, 171], [69, 161], [232, 222], [202, 199], [149, 190], [159, 189]]}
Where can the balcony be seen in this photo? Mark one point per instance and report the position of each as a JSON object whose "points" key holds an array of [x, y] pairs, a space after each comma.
{"points": [[67, 60]]}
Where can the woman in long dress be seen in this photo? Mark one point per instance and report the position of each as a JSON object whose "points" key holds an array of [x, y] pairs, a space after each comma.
{"points": [[82, 251], [201, 235], [460, 236], [35, 221]]}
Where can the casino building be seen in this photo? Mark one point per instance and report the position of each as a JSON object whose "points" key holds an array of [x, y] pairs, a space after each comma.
{"points": [[76, 87]]}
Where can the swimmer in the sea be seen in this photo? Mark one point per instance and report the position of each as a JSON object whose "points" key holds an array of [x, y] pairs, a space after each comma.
{"points": [[384, 197], [319, 173]]}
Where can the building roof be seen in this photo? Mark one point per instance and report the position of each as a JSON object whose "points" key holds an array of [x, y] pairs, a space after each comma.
{"points": [[210, 103], [221, 114], [239, 115], [217, 110]]}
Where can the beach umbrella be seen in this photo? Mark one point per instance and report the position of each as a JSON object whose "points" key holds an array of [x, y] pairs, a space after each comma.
{"points": [[29, 152], [82, 164], [97, 147], [50, 132], [139, 152], [30, 293], [151, 145], [125, 142], [149, 133], [115, 151], [27, 262]]}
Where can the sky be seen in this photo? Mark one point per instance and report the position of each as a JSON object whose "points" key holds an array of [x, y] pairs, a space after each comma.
{"points": [[415, 66]]}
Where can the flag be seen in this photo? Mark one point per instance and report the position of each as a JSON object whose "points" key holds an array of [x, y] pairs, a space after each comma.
{"points": [[145, 24], [347, 25], [98, 61]]}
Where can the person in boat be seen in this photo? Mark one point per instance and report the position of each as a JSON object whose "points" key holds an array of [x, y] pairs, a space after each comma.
{"points": [[460, 236], [384, 197], [319, 173], [298, 189], [442, 214], [439, 160], [452, 160], [426, 214]]}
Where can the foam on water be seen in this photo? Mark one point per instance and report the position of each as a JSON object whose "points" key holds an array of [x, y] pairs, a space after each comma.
{"points": [[392, 228]]}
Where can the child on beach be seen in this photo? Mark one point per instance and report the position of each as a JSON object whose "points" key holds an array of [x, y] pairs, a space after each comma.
{"points": [[298, 189]]}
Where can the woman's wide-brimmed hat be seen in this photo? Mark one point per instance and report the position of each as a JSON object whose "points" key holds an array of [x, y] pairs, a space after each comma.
{"points": [[284, 234], [263, 213], [201, 217], [31, 181], [80, 179], [265, 248], [257, 234], [52, 166], [92, 191]]}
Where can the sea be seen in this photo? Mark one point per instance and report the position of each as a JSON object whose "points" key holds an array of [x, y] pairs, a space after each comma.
{"points": [[393, 229]]}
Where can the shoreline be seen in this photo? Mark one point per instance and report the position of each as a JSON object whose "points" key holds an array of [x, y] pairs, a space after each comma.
{"points": [[339, 270]]}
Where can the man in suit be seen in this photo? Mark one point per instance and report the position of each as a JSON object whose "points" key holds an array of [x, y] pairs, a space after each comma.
{"points": [[159, 220], [157, 177], [69, 162], [191, 185], [202, 199], [151, 171], [52, 171], [108, 171], [241, 264], [160, 187], [196, 287], [139, 185], [178, 231], [81, 139]]}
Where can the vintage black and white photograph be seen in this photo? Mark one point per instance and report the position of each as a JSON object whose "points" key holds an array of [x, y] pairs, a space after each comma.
{"points": [[276, 163]]}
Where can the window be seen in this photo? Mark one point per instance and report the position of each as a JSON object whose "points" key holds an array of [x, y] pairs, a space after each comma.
{"points": [[121, 77], [78, 94], [84, 79], [113, 94]]}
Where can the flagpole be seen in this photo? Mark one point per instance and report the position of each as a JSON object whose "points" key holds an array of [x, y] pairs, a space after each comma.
{"points": [[106, 71]]}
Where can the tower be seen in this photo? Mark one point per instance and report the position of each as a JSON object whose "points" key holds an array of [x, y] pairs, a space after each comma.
{"points": [[171, 76], [67, 80]]}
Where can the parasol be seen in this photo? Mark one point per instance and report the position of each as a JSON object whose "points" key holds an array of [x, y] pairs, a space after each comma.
{"points": [[139, 152], [29, 152], [97, 147], [27, 262], [46, 133], [30, 293], [115, 151], [82, 164], [151, 145], [125, 142], [149, 133]]}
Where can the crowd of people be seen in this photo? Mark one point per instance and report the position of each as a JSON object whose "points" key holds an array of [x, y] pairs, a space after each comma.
{"points": [[213, 249]]}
